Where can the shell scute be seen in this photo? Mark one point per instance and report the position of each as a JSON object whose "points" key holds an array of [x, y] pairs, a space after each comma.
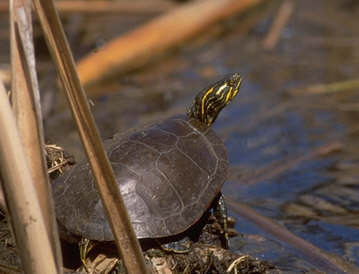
{"points": [[187, 178], [177, 126], [199, 150], [160, 140]]}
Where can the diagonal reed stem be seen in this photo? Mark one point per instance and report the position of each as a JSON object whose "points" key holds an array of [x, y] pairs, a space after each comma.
{"points": [[115, 209]]}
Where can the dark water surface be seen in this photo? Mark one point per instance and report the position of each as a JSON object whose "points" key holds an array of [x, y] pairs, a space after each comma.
{"points": [[275, 137]]}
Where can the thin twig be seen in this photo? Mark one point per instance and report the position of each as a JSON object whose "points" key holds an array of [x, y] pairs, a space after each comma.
{"points": [[114, 206], [282, 18], [9, 269], [328, 88], [98, 7]]}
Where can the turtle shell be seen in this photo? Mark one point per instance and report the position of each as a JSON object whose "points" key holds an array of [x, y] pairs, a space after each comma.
{"points": [[168, 174]]}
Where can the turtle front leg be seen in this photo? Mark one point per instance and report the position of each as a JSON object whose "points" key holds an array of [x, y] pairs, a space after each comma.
{"points": [[220, 212]]}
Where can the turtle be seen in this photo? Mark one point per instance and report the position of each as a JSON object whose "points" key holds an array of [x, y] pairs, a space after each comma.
{"points": [[169, 174]]}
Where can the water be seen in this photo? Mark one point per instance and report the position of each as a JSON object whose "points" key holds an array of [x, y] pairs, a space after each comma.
{"points": [[269, 132]]}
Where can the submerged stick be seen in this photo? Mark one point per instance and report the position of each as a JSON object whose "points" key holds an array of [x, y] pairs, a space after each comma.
{"points": [[325, 262], [138, 47], [275, 169], [284, 13], [115, 209], [327, 88]]}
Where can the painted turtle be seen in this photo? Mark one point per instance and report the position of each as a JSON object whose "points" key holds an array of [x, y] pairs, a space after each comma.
{"points": [[169, 173]]}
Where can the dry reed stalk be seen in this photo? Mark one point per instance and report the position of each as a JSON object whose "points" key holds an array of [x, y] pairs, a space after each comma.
{"points": [[129, 7], [26, 104], [21, 198], [96, 7], [2, 197], [5, 74], [141, 45], [105, 180]]}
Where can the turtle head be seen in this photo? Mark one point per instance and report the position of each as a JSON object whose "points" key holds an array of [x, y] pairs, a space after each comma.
{"points": [[210, 101]]}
